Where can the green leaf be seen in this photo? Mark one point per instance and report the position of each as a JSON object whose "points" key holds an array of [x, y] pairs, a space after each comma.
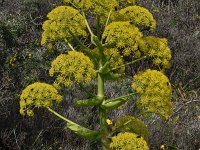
{"points": [[131, 124], [79, 130], [113, 105], [88, 102], [84, 132], [116, 102]]}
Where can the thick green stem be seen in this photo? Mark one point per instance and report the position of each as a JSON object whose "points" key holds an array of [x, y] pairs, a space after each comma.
{"points": [[102, 112], [100, 94], [103, 124], [103, 117], [100, 86]]}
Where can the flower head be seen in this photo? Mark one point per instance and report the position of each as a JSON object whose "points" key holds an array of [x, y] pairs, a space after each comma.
{"points": [[157, 49], [61, 21], [155, 92], [72, 67], [124, 36], [102, 8], [139, 16], [37, 95], [128, 141]]}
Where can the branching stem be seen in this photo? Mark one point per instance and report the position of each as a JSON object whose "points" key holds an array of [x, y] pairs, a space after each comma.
{"points": [[132, 62], [70, 46], [88, 26], [108, 17]]}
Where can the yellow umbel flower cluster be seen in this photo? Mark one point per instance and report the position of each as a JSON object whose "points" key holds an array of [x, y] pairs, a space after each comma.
{"points": [[72, 67], [155, 92], [128, 141], [81, 4], [139, 16], [158, 49], [102, 8], [37, 95], [62, 21], [124, 36], [116, 59]]}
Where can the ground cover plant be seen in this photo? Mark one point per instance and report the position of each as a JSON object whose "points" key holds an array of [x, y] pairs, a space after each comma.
{"points": [[115, 42]]}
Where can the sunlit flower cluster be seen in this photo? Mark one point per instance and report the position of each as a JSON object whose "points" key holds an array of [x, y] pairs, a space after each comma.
{"points": [[131, 124], [82, 4], [158, 49], [102, 8], [37, 95], [116, 59], [128, 141], [155, 92], [124, 36], [72, 67], [139, 16], [60, 21]]}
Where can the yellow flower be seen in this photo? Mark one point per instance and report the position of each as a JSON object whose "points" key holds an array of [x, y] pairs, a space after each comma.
{"points": [[124, 36], [139, 16], [198, 117], [70, 68], [60, 21], [37, 95], [29, 55], [30, 113], [157, 48], [109, 122], [162, 147], [103, 7], [148, 85], [128, 141]]}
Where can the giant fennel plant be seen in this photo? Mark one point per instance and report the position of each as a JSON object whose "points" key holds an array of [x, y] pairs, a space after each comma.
{"points": [[116, 40]]}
